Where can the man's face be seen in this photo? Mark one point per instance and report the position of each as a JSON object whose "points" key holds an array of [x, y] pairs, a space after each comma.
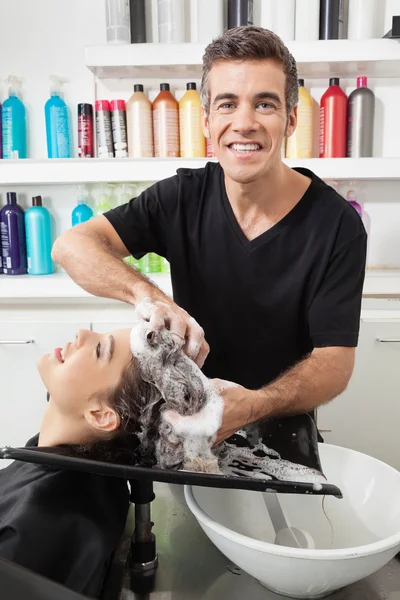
{"points": [[247, 118]]}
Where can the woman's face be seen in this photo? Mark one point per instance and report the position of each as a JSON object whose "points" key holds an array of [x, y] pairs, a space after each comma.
{"points": [[88, 366]]}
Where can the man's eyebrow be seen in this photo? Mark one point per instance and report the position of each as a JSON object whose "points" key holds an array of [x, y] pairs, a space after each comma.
{"points": [[111, 347], [224, 96]]}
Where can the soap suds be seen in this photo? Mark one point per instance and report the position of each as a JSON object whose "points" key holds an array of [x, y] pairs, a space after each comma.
{"points": [[185, 442]]}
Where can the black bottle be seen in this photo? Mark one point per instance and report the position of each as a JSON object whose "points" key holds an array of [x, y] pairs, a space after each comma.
{"points": [[240, 12], [331, 18], [138, 21]]}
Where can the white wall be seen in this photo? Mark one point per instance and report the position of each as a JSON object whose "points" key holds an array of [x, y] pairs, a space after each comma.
{"points": [[43, 37]]}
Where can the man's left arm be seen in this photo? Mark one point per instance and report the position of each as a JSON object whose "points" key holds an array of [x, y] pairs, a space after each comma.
{"points": [[314, 381]]}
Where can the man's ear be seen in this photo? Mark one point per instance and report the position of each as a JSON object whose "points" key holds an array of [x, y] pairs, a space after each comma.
{"points": [[205, 125], [291, 123], [103, 418]]}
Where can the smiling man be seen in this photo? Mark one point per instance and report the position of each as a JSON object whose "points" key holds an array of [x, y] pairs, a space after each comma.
{"points": [[268, 260]]}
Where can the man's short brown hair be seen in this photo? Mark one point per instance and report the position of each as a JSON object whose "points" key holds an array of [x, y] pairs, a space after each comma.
{"points": [[250, 43]]}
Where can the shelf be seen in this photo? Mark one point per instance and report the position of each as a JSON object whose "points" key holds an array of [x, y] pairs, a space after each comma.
{"points": [[60, 287], [114, 170], [374, 58], [57, 287]]}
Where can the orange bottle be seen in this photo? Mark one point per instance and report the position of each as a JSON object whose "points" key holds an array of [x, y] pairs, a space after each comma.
{"points": [[166, 124]]}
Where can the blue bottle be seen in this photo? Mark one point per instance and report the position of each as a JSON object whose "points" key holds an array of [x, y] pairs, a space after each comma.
{"points": [[57, 123], [82, 212], [13, 241], [38, 238], [14, 123]]}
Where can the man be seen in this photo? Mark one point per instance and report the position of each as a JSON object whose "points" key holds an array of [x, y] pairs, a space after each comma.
{"points": [[268, 260]]}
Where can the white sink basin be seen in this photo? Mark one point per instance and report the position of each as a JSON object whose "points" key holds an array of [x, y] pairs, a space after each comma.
{"points": [[366, 527]]}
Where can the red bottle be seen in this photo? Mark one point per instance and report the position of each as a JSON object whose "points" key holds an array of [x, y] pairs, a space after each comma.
{"points": [[333, 122], [85, 131]]}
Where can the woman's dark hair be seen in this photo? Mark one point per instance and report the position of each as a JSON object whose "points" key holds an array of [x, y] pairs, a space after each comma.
{"points": [[250, 43]]}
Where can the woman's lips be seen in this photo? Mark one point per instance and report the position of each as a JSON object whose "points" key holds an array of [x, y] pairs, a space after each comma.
{"points": [[57, 354]]}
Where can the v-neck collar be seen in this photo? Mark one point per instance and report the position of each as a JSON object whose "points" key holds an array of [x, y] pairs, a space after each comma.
{"points": [[292, 215]]}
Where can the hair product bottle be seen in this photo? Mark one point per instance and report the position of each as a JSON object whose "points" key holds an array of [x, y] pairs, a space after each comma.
{"points": [[351, 198], [166, 124], [103, 202], [82, 212], [118, 125], [299, 145], [118, 22], [333, 121], [360, 120], [85, 131], [192, 140], [206, 19], [240, 12], [13, 239], [307, 20], [105, 147], [13, 122], [57, 123], [38, 238], [279, 17], [362, 19], [137, 12], [331, 19], [139, 124], [171, 21]]}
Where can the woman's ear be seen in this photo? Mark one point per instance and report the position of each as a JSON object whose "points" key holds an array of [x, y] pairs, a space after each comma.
{"points": [[103, 418]]}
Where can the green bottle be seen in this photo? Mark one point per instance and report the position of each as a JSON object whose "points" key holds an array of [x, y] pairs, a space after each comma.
{"points": [[151, 263], [103, 202], [165, 267]]}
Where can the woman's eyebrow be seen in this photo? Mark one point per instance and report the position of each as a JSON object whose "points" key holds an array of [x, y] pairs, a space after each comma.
{"points": [[111, 346]]}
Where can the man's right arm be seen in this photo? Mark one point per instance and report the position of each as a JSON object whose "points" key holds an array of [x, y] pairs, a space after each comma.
{"points": [[92, 254]]}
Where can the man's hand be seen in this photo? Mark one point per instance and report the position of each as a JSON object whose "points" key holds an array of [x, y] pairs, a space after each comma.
{"points": [[165, 313], [237, 407]]}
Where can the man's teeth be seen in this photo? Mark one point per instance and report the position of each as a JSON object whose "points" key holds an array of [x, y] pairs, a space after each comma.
{"points": [[245, 147]]}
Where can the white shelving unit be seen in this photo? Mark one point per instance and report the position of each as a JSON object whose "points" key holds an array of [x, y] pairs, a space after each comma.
{"points": [[379, 57], [55, 171], [60, 286]]}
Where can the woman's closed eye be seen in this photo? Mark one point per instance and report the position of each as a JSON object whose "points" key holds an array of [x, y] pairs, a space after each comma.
{"points": [[98, 350]]}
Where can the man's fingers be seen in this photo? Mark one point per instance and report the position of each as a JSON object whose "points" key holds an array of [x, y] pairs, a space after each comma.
{"points": [[195, 339], [202, 355], [177, 326]]}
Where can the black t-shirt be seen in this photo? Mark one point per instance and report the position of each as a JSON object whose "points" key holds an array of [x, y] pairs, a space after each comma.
{"points": [[264, 304], [63, 525]]}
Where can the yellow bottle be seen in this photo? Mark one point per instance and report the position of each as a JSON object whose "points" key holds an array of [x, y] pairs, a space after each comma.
{"points": [[299, 145], [193, 142]]}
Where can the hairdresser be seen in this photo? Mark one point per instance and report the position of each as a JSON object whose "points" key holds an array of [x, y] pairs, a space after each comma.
{"points": [[267, 262]]}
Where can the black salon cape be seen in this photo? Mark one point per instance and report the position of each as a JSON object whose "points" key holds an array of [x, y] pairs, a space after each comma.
{"points": [[64, 525]]}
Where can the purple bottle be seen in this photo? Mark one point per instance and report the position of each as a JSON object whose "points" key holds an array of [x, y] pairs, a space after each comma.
{"points": [[13, 241], [1, 153]]}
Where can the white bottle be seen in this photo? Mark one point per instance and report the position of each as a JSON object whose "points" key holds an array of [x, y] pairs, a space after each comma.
{"points": [[206, 20], [362, 19], [279, 17], [118, 24], [307, 20], [171, 21]]}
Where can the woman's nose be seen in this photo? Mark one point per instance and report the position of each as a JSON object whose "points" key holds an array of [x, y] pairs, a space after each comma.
{"points": [[81, 336]]}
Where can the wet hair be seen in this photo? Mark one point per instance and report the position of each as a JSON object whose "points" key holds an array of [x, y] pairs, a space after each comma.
{"points": [[162, 378], [250, 43]]}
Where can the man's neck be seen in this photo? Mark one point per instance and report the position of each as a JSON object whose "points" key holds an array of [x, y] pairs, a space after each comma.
{"points": [[57, 429]]}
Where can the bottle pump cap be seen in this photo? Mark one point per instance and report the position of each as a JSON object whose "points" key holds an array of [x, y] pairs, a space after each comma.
{"points": [[55, 85], [11, 198], [300, 82], [191, 86], [362, 82], [13, 85], [37, 201], [164, 87], [334, 81], [138, 87]]}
